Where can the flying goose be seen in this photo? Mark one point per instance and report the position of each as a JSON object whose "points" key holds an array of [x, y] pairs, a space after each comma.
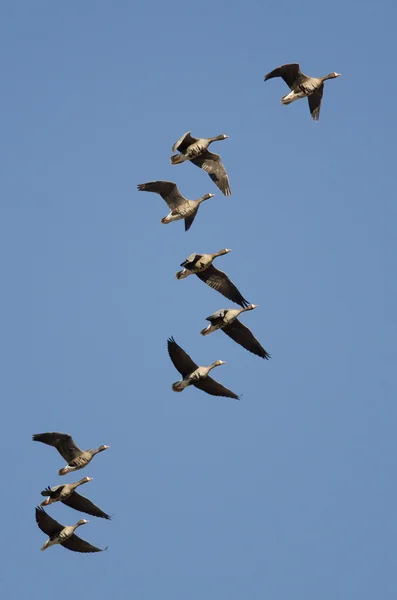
{"points": [[181, 207], [226, 319], [192, 374], [58, 534], [64, 443], [201, 265], [67, 495], [196, 150], [302, 86]]}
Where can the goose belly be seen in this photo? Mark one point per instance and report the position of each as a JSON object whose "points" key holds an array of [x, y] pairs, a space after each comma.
{"points": [[292, 96]]}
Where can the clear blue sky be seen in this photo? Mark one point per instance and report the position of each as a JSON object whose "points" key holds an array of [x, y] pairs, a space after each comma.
{"points": [[290, 493]]}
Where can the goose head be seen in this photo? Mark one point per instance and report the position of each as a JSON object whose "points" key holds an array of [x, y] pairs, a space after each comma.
{"points": [[223, 251], [223, 136], [332, 75], [101, 448], [218, 363], [251, 307], [206, 197], [81, 522]]}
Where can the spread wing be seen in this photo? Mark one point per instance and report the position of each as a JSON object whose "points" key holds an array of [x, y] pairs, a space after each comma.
{"points": [[168, 190], [315, 102], [289, 73], [63, 442], [189, 220], [191, 260], [220, 282], [84, 505], [212, 164], [181, 360], [243, 336], [46, 523], [50, 490], [76, 544], [212, 387], [184, 142]]}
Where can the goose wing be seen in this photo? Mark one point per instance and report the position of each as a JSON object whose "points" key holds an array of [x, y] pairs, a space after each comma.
{"points": [[47, 524], [63, 442], [82, 504], [217, 316], [184, 142], [212, 164], [315, 102], [212, 387], [289, 73], [181, 360], [189, 220], [50, 490], [76, 544], [191, 260], [243, 336], [220, 282], [168, 190]]}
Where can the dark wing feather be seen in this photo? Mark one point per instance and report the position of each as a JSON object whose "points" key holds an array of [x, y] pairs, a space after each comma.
{"points": [[212, 164], [184, 142], [76, 544], [212, 387], [181, 360], [315, 102], [50, 490], [168, 190], [243, 336], [82, 504], [189, 220], [46, 523], [191, 260], [220, 282], [289, 73], [63, 442]]}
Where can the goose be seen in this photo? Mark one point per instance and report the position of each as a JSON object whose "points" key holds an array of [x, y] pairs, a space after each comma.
{"points": [[201, 265], [59, 534], [64, 443], [181, 207], [67, 495], [192, 374], [196, 150], [302, 86], [226, 319]]}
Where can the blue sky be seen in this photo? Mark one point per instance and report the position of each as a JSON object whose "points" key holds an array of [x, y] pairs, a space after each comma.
{"points": [[291, 492]]}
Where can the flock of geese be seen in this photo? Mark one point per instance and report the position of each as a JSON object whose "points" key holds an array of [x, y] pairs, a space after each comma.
{"points": [[194, 150]]}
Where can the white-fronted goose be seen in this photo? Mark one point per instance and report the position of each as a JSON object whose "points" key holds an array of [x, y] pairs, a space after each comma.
{"points": [[67, 448], [302, 86], [181, 207], [201, 265], [196, 150], [58, 534], [192, 374], [67, 495], [226, 319]]}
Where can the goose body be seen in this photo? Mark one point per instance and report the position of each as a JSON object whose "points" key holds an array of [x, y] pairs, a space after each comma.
{"points": [[59, 534], [192, 374], [226, 319], [181, 207], [201, 265], [196, 151], [302, 86], [67, 495], [68, 449]]}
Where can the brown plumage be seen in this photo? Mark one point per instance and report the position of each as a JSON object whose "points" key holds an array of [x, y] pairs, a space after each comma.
{"points": [[63, 535], [196, 151], [302, 86], [67, 495], [67, 448]]}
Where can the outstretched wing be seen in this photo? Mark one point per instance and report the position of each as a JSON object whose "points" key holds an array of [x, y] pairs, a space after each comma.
{"points": [[46, 523], [184, 142], [189, 220], [63, 442], [181, 360], [212, 387], [168, 190], [212, 164], [315, 102], [76, 544], [82, 504], [289, 73], [50, 490], [243, 336], [220, 282]]}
